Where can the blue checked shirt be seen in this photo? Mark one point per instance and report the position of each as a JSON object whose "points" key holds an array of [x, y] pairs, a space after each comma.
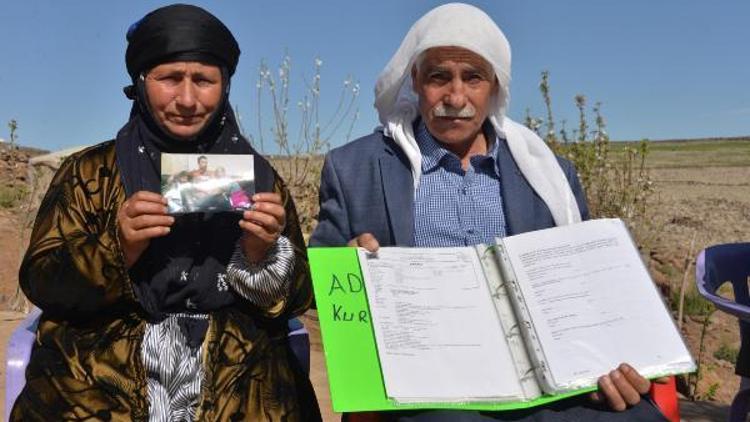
{"points": [[454, 207]]}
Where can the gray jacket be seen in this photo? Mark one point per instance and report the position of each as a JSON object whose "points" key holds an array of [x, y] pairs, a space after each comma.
{"points": [[367, 187]]}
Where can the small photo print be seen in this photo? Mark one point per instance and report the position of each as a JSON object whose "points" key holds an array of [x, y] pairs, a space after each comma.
{"points": [[207, 182]]}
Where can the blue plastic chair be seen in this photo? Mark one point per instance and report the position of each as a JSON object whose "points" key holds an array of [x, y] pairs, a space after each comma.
{"points": [[17, 357], [22, 339], [715, 266]]}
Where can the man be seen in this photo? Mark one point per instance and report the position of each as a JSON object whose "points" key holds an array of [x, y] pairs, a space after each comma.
{"points": [[201, 174], [449, 169], [201, 195]]}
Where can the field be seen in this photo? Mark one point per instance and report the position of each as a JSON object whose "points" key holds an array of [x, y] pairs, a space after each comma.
{"points": [[702, 198]]}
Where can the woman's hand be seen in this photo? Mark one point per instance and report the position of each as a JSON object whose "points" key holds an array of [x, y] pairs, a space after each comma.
{"points": [[141, 218], [262, 225]]}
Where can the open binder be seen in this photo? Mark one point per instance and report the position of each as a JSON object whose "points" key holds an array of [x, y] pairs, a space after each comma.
{"points": [[535, 318]]}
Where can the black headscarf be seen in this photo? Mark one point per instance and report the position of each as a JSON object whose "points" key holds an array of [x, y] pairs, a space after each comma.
{"points": [[179, 32], [184, 271]]}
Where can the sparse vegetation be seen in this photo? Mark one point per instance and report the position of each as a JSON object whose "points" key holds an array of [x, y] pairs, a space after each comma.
{"points": [[616, 182], [12, 192], [694, 378], [299, 158], [727, 353], [13, 126], [711, 392], [733, 152], [13, 195], [694, 304]]}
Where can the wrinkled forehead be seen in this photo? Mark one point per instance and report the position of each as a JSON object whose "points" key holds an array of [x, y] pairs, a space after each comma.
{"points": [[436, 56]]}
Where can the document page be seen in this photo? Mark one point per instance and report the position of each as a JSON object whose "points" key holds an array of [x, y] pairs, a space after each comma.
{"points": [[436, 329], [593, 304]]}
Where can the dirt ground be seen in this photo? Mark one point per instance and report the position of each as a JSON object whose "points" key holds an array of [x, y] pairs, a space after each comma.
{"points": [[708, 205], [702, 198]]}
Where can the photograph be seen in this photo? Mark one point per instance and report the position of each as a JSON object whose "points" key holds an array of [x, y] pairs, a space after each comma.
{"points": [[207, 182]]}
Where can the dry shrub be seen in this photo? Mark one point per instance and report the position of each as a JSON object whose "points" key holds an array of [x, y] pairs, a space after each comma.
{"points": [[615, 178], [304, 190], [299, 159]]}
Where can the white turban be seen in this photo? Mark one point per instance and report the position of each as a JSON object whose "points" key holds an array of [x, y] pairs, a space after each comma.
{"points": [[461, 25]]}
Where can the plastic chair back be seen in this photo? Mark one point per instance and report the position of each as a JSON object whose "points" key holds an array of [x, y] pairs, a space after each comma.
{"points": [[17, 357], [730, 263], [719, 264]]}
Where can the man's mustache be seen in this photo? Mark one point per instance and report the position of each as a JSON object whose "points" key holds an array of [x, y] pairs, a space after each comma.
{"points": [[466, 112]]}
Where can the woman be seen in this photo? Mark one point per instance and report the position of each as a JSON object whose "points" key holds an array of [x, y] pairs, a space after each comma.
{"points": [[148, 316]]}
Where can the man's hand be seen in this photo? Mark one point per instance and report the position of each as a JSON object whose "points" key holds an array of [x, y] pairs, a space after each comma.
{"points": [[623, 387], [141, 218], [262, 225], [365, 240]]}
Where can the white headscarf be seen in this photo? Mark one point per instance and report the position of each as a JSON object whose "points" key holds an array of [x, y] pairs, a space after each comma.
{"points": [[461, 25]]}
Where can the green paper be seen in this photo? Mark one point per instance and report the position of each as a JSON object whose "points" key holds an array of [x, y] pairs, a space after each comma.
{"points": [[351, 356], [348, 342]]}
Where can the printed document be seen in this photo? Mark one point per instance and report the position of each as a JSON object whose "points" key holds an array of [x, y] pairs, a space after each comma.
{"points": [[432, 312], [592, 302]]}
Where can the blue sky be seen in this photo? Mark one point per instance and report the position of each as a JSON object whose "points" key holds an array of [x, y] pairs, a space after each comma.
{"points": [[662, 69]]}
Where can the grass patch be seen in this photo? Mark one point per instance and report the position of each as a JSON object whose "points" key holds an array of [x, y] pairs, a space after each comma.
{"points": [[695, 304], [12, 195], [727, 353], [669, 270], [711, 392], [698, 153]]}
